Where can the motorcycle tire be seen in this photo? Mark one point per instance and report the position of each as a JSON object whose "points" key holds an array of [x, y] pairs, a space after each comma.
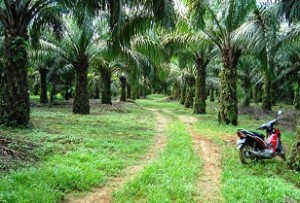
{"points": [[281, 151], [245, 155], [282, 156]]}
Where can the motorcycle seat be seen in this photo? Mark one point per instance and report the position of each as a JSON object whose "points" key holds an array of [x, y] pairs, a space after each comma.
{"points": [[261, 136]]}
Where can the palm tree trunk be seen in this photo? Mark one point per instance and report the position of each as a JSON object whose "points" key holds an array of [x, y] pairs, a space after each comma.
{"points": [[297, 96], [183, 94], [97, 90], [123, 82], [134, 90], [176, 90], [14, 108], [128, 91], [255, 94], [266, 99], [200, 95], [189, 99], [218, 94], [228, 110], [295, 157], [43, 96], [68, 93], [211, 94], [36, 87], [106, 85], [134, 84], [81, 101], [247, 90], [53, 92]]}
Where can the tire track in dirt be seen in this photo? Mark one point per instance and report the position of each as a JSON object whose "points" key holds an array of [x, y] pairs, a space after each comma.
{"points": [[105, 194], [209, 181]]}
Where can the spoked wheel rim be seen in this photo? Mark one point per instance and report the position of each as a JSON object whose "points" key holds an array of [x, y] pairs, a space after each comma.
{"points": [[246, 156]]}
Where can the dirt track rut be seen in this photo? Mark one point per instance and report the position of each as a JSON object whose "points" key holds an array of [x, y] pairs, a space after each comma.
{"points": [[105, 194], [210, 175]]}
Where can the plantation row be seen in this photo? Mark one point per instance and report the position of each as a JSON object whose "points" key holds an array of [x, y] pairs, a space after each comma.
{"points": [[71, 157], [237, 50]]}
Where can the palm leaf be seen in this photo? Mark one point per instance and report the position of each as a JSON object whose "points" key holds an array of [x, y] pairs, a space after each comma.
{"points": [[197, 10], [294, 32], [148, 47]]}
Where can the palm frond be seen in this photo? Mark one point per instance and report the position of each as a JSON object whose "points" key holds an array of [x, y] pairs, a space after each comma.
{"points": [[197, 10], [67, 69], [294, 32], [248, 67], [259, 32], [289, 9], [237, 12], [1, 42], [213, 82], [139, 23], [182, 40], [148, 47], [163, 11]]}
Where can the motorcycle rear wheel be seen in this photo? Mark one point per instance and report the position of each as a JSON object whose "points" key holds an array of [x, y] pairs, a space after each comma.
{"points": [[246, 157], [282, 156], [281, 151]]}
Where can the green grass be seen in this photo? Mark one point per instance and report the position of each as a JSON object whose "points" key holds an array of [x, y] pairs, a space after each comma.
{"points": [[170, 178], [264, 181], [260, 182], [71, 153], [75, 152]]}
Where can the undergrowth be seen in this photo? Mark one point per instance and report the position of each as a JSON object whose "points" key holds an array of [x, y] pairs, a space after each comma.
{"points": [[68, 153], [265, 181], [170, 178], [74, 152]]}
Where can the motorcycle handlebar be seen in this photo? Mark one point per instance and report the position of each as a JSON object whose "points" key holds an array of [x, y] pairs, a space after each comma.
{"points": [[268, 125]]}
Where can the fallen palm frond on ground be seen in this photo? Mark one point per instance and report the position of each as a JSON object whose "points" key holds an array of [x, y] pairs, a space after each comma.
{"points": [[15, 149], [15, 152]]}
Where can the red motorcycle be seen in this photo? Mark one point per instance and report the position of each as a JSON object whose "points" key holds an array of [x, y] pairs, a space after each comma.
{"points": [[252, 145]]}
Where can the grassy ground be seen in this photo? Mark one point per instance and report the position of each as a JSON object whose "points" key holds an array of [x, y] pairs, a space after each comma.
{"points": [[264, 181], [73, 152], [170, 178], [67, 153]]}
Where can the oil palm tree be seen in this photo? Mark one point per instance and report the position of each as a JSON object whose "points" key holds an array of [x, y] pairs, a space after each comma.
{"points": [[262, 37], [42, 62], [41, 59], [77, 47], [294, 36], [128, 22], [198, 50], [187, 39], [107, 63], [248, 74], [147, 57], [219, 22], [16, 17]]}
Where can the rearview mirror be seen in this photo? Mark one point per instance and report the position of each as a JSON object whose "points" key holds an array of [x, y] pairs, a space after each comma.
{"points": [[279, 113]]}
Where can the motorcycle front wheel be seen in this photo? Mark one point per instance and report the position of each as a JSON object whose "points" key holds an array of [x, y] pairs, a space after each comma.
{"points": [[246, 157]]}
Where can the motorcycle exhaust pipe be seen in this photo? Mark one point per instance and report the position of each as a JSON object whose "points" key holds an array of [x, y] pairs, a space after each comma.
{"points": [[267, 154]]}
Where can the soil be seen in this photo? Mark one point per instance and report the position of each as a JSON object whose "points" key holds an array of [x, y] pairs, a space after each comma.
{"points": [[105, 194], [210, 175]]}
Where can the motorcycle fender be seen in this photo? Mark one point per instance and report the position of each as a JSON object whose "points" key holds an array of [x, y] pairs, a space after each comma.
{"points": [[240, 143]]}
